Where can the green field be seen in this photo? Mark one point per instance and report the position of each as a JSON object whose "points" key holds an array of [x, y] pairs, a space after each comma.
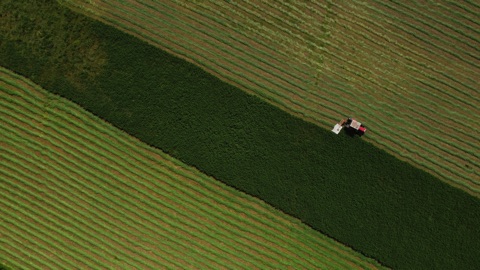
{"points": [[407, 70], [79, 193], [393, 212]]}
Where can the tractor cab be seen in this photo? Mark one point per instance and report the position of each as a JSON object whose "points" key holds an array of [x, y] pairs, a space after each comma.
{"points": [[354, 126]]}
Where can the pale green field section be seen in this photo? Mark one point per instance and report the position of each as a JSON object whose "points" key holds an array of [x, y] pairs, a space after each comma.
{"points": [[409, 72], [77, 193]]}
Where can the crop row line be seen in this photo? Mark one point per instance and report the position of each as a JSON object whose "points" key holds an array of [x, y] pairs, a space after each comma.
{"points": [[12, 240], [395, 23], [46, 206], [391, 41], [444, 22]]}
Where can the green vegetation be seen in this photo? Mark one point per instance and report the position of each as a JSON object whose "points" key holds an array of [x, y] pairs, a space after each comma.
{"points": [[81, 194], [341, 186], [394, 65]]}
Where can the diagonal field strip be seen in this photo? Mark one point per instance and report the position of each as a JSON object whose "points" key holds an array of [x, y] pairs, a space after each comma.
{"points": [[408, 71], [78, 193]]}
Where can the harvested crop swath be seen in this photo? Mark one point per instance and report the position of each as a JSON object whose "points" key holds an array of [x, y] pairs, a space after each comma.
{"points": [[78, 193], [408, 70]]}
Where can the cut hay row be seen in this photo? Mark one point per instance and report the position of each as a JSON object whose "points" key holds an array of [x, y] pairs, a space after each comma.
{"points": [[326, 60], [79, 193]]}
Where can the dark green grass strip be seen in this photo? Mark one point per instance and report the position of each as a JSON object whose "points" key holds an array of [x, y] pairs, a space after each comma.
{"points": [[454, 176], [32, 104], [339, 185], [21, 117]]}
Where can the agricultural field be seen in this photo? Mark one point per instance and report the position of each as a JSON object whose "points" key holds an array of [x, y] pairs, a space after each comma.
{"points": [[391, 211], [407, 70], [79, 193]]}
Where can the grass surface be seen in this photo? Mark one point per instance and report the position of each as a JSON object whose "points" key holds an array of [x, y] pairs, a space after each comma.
{"points": [[396, 66], [389, 210], [79, 193]]}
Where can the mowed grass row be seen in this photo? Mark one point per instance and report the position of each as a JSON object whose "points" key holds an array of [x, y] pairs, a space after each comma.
{"points": [[323, 61], [79, 193]]}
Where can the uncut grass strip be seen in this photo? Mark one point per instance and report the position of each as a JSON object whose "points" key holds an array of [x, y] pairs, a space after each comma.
{"points": [[111, 209], [62, 218], [128, 165], [11, 241], [102, 131], [87, 121]]}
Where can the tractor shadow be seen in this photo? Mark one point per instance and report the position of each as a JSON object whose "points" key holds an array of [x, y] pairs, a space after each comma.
{"points": [[351, 133]]}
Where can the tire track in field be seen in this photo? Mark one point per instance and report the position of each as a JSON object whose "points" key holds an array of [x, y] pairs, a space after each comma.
{"points": [[440, 158], [90, 186]]}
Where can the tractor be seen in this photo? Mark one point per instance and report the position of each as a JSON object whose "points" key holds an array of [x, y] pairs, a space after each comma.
{"points": [[352, 127]]}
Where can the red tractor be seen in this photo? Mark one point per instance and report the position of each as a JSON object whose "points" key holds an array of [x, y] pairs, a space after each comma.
{"points": [[351, 125]]}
